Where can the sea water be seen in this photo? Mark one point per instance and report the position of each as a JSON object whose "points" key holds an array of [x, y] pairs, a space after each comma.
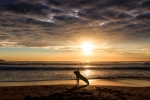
{"points": [[47, 71]]}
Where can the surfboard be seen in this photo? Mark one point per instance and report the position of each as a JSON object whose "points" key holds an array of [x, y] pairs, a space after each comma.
{"points": [[81, 77]]}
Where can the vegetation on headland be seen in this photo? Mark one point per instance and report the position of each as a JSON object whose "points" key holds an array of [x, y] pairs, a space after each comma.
{"points": [[2, 60]]}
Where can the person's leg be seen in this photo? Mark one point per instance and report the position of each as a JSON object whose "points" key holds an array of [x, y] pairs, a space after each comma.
{"points": [[88, 83], [78, 81], [77, 78]]}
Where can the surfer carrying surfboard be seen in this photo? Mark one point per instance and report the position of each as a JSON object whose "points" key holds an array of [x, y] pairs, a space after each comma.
{"points": [[79, 76]]}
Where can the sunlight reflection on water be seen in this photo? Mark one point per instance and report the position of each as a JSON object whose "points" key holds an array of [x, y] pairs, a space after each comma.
{"points": [[87, 73], [66, 72]]}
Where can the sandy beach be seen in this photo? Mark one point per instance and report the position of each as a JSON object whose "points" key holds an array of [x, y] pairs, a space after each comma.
{"points": [[69, 91]]}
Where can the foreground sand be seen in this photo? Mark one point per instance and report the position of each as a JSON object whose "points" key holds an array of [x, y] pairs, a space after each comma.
{"points": [[71, 92]]}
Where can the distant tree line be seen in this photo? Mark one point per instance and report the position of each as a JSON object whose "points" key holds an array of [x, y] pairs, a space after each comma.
{"points": [[2, 60]]}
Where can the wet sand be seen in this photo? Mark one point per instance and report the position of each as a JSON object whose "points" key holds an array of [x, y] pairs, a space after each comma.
{"points": [[102, 82], [69, 91]]}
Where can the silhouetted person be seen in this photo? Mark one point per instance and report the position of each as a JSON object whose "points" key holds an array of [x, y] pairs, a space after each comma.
{"points": [[78, 75], [77, 72]]}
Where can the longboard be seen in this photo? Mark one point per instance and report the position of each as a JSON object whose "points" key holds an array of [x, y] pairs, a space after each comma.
{"points": [[81, 77]]}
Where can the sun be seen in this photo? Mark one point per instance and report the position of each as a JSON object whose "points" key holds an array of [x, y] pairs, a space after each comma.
{"points": [[87, 47]]}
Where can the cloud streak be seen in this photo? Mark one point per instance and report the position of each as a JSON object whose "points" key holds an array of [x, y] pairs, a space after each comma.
{"points": [[43, 23]]}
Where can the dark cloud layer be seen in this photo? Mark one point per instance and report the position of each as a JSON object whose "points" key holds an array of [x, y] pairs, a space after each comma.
{"points": [[40, 23]]}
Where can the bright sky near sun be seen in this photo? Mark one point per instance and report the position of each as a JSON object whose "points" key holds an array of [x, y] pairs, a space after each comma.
{"points": [[78, 30], [87, 48]]}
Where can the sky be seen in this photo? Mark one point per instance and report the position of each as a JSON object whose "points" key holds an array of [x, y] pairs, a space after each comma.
{"points": [[75, 30]]}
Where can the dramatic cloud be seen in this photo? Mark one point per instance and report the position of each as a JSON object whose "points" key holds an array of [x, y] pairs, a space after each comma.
{"points": [[42, 23]]}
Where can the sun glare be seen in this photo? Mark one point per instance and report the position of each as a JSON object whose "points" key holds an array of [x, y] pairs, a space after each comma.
{"points": [[87, 47]]}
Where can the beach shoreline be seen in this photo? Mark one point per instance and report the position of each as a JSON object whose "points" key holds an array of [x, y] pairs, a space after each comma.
{"points": [[72, 92], [99, 89], [102, 82]]}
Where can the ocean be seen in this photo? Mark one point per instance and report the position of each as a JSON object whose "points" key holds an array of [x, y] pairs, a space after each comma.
{"points": [[47, 71]]}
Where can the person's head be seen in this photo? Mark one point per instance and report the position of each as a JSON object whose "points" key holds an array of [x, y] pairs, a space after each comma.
{"points": [[78, 71]]}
